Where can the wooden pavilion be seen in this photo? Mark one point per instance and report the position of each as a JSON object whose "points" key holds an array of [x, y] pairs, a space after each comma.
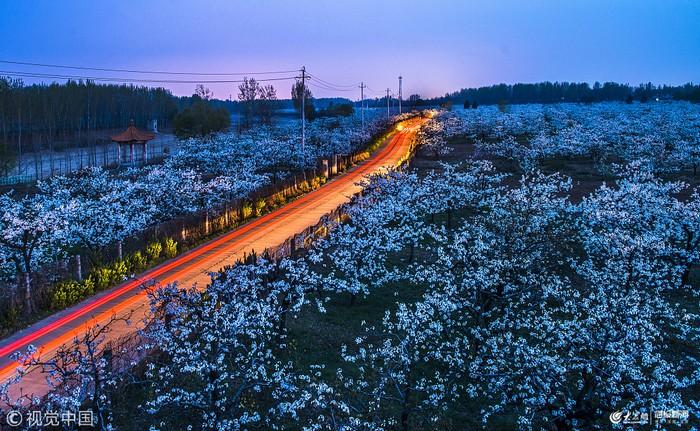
{"points": [[132, 137]]}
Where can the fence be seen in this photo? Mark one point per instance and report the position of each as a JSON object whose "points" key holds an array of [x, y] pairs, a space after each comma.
{"points": [[41, 165]]}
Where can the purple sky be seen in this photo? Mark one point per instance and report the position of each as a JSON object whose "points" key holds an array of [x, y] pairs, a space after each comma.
{"points": [[438, 46]]}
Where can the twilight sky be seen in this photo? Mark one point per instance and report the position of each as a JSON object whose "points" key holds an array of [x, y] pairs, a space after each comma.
{"points": [[437, 45]]}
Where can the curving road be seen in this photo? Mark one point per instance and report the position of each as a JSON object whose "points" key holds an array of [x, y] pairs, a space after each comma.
{"points": [[194, 266]]}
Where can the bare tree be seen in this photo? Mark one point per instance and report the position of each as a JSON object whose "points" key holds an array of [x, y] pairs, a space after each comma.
{"points": [[203, 92], [267, 95], [248, 94]]}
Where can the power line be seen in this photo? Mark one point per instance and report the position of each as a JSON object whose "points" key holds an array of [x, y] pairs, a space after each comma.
{"points": [[132, 80], [320, 85], [153, 72], [332, 84], [313, 80], [376, 93]]}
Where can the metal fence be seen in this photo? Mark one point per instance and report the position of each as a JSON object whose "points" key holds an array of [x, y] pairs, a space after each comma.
{"points": [[41, 165]]}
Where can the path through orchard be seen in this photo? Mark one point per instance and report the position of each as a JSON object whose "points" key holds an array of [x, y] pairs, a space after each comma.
{"points": [[194, 266]]}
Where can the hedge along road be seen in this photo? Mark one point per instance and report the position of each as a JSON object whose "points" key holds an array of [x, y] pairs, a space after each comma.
{"points": [[194, 266]]}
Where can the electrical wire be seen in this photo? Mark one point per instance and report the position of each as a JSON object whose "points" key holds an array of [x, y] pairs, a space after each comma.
{"points": [[313, 79], [320, 85], [152, 72], [330, 84], [376, 93], [323, 88], [132, 80]]}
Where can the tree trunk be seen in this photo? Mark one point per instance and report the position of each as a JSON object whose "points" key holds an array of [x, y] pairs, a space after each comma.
{"points": [[29, 304], [405, 410], [78, 268]]}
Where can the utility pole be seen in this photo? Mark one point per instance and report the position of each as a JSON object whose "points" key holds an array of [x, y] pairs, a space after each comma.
{"points": [[400, 94], [387, 104], [303, 108], [362, 103]]}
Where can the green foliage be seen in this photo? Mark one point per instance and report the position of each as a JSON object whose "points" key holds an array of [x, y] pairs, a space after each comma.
{"points": [[120, 271], [278, 200], [297, 90], [106, 276], [259, 206], [169, 248], [9, 317], [247, 210], [102, 277], [137, 261], [66, 293], [69, 292], [153, 250], [200, 119], [339, 110]]}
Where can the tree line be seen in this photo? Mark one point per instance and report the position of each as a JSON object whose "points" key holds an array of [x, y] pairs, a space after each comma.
{"points": [[555, 92], [46, 112]]}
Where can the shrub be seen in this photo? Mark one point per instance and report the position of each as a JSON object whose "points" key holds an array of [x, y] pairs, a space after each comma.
{"points": [[9, 317], [67, 293], [88, 288], [279, 200], [259, 206], [137, 262], [169, 248], [247, 210], [233, 217], [153, 250], [120, 271], [60, 294], [102, 277], [200, 119]]}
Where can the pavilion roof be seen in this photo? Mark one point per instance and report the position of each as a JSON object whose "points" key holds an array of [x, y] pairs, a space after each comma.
{"points": [[132, 134]]}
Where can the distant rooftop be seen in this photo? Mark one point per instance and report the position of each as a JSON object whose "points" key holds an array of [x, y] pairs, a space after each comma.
{"points": [[132, 134]]}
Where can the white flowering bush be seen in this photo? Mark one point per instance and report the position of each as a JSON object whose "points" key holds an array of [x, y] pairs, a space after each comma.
{"points": [[666, 134]]}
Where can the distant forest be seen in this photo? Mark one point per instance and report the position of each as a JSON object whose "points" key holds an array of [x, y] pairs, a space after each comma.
{"points": [[54, 116], [236, 106], [78, 106], [555, 92]]}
